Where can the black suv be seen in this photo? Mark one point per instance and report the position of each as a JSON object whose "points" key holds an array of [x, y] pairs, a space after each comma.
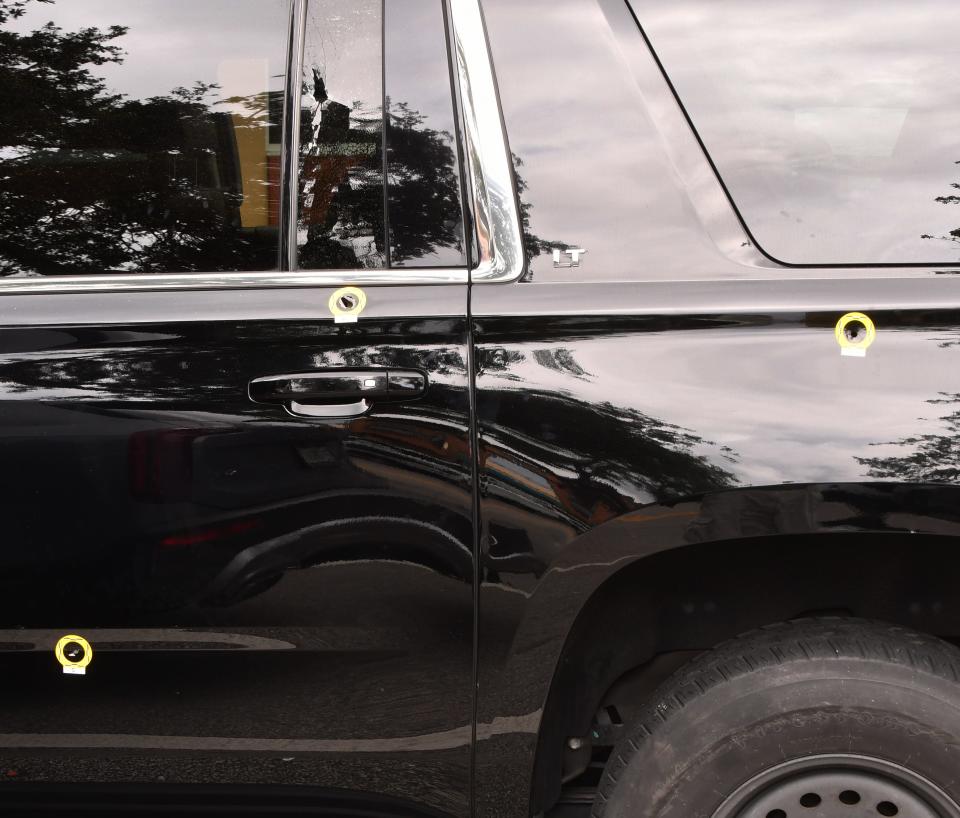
{"points": [[483, 408]]}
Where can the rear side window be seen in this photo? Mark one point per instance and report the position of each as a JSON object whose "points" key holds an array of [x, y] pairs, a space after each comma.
{"points": [[379, 178], [833, 125], [140, 136]]}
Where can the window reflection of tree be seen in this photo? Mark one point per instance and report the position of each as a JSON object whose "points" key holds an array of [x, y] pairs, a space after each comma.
{"points": [[95, 181], [424, 192], [341, 173], [342, 185]]}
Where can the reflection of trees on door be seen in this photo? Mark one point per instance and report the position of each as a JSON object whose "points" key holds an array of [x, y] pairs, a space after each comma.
{"points": [[929, 458], [953, 235], [653, 460]]}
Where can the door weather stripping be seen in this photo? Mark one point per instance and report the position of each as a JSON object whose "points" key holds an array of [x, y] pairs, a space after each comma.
{"points": [[490, 176]]}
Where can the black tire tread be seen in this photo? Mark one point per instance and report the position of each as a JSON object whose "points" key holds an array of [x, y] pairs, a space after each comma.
{"points": [[772, 645]]}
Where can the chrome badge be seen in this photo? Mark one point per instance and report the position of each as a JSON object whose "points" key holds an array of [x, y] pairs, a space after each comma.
{"points": [[573, 252]]}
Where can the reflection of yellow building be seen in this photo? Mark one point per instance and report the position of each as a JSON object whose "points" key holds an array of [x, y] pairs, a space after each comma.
{"points": [[252, 147], [243, 82]]}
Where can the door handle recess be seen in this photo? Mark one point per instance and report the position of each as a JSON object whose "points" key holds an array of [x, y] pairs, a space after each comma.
{"points": [[337, 393]]}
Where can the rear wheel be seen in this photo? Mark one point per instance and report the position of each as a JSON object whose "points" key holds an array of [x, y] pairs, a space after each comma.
{"points": [[827, 718]]}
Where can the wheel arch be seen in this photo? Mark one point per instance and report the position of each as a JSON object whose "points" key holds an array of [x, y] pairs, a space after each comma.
{"points": [[655, 581]]}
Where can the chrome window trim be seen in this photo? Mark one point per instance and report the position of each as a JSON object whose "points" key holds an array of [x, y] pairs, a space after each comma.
{"points": [[491, 202], [145, 282]]}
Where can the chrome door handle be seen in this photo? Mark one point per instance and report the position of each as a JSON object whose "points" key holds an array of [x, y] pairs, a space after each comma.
{"points": [[337, 393]]}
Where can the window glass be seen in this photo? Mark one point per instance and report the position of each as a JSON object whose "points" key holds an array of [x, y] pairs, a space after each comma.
{"points": [[341, 222], [425, 215], [833, 125], [362, 182], [140, 136]]}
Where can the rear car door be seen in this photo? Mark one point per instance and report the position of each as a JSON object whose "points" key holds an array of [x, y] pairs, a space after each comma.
{"points": [[234, 415]]}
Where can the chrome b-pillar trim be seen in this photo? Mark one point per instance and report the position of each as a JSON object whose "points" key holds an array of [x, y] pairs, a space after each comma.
{"points": [[290, 151], [493, 201]]}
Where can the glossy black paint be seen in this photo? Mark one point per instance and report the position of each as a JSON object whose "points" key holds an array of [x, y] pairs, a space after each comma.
{"points": [[219, 551], [271, 599], [671, 446], [608, 439]]}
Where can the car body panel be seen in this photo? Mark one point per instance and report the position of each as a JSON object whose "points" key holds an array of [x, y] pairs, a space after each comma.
{"points": [[675, 391], [271, 599], [278, 600]]}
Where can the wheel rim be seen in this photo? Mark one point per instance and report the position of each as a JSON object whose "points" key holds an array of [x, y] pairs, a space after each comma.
{"points": [[838, 786]]}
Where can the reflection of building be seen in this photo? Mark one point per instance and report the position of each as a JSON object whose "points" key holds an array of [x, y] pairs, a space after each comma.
{"points": [[258, 154], [341, 145], [257, 116], [233, 158], [274, 142]]}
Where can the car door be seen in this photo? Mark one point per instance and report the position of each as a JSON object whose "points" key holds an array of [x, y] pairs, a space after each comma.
{"points": [[234, 407], [724, 392]]}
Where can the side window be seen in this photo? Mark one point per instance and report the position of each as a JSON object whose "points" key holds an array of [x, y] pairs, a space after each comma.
{"points": [[833, 125], [140, 137], [378, 191]]}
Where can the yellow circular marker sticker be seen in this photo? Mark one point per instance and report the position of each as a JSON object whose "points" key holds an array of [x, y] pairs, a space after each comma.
{"points": [[346, 304], [74, 654], [855, 332]]}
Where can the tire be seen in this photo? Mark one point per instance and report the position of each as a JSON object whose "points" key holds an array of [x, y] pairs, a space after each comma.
{"points": [[819, 718]]}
